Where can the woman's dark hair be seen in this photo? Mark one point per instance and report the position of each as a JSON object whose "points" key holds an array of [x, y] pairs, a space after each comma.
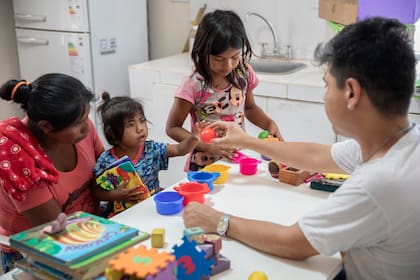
{"points": [[378, 53], [217, 32], [114, 111], [57, 98]]}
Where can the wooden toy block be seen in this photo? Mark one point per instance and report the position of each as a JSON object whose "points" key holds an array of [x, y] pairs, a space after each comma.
{"points": [[158, 237], [215, 240], [195, 233], [292, 176]]}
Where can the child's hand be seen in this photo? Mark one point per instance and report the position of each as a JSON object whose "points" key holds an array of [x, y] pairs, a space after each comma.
{"points": [[274, 130], [222, 150], [199, 126], [122, 193]]}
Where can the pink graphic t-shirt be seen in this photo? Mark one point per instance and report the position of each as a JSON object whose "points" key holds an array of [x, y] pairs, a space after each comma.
{"points": [[212, 104]]}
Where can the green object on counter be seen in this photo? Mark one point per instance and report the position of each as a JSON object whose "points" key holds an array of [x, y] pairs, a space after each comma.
{"points": [[263, 134], [417, 90]]}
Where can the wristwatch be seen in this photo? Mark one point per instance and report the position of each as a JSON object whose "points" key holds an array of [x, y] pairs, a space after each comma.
{"points": [[223, 225]]}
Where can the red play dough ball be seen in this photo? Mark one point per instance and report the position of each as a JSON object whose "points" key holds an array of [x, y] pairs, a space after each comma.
{"points": [[207, 135]]}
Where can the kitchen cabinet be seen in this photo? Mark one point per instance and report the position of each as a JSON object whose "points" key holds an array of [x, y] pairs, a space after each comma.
{"points": [[301, 121]]}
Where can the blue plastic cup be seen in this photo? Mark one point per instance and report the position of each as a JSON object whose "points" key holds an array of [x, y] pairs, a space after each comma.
{"points": [[168, 202]]}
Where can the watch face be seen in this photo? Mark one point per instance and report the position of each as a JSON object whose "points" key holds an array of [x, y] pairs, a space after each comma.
{"points": [[222, 225]]}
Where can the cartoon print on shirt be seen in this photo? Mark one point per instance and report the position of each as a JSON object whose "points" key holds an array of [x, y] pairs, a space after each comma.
{"points": [[236, 96], [214, 107], [240, 119]]}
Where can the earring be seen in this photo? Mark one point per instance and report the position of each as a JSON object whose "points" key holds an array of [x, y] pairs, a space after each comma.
{"points": [[349, 107]]}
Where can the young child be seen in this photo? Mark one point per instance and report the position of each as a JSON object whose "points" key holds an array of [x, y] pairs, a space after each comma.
{"points": [[220, 88], [125, 128]]}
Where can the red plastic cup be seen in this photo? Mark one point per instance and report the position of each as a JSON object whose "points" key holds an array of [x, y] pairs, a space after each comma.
{"points": [[192, 191]]}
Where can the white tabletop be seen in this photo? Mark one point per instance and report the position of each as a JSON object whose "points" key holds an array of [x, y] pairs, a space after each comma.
{"points": [[257, 196]]}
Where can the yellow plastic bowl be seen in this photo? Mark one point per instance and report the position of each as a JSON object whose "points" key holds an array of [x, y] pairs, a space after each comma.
{"points": [[222, 169]]}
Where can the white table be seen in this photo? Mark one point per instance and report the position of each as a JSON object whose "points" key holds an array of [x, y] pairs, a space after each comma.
{"points": [[258, 197]]}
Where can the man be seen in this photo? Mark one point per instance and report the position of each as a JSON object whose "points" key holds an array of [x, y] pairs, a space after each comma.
{"points": [[375, 215]]}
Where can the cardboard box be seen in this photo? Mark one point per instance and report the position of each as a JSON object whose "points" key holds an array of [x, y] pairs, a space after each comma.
{"points": [[349, 11]]}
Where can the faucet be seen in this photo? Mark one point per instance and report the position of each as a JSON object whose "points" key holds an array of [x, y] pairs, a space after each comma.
{"points": [[276, 51]]}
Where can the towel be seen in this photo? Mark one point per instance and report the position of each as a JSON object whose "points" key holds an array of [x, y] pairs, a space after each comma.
{"points": [[23, 163]]}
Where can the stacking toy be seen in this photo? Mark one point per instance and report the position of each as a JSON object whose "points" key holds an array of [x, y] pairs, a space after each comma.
{"points": [[203, 177], [220, 168], [168, 202], [207, 135], [248, 166], [192, 191]]}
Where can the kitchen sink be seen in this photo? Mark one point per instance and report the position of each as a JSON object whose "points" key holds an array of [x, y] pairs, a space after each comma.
{"points": [[276, 66]]}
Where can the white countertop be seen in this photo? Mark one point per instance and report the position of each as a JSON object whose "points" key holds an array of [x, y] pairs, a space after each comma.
{"points": [[182, 64], [307, 82]]}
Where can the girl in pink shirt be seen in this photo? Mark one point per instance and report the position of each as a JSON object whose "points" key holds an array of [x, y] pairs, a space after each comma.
{"points": [[220, 88]]}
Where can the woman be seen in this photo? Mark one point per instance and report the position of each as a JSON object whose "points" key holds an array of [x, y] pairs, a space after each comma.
{"points": [[46, 159]]}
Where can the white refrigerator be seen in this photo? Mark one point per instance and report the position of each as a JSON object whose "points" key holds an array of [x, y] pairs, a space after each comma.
{"points": [[92, 40]]}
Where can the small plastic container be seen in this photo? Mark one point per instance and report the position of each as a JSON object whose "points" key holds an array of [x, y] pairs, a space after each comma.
{"points": [[248, 166], [203, 177], [192, 191], [238, 156], [220, 168], [168, 202]]}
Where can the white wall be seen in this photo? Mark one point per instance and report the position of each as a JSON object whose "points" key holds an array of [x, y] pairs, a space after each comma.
{"points": [[296, 22], [169, 25], [8, 57]]}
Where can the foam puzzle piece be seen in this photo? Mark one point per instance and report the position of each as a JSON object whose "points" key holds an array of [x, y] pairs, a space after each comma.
{"points": [[192, 264]]}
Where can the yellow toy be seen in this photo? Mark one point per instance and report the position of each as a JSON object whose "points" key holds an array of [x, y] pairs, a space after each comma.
{"points": [[158, 237], [257, 275]]}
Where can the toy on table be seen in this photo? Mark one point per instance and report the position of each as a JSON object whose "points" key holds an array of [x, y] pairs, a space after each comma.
{"points": [[329, 182], [221, 169], [265, 135], [292, 176], [207, 134], [203, 177], [142, 263], [258, 275], [158, 237], [238, 156], [168, 202], [274, 168], [192, 191], [248, 165], [200, 261], [195, 233]]}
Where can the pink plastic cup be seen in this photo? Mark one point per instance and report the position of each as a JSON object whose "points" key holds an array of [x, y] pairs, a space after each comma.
{"points": [[248, 166]]}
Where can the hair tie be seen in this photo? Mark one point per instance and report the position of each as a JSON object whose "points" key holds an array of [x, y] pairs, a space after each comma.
{"points": [[16, 87]]}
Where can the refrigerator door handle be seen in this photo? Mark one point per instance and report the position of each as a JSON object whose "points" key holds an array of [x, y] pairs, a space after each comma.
{"points": [[30, 17], [33, 41]]}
